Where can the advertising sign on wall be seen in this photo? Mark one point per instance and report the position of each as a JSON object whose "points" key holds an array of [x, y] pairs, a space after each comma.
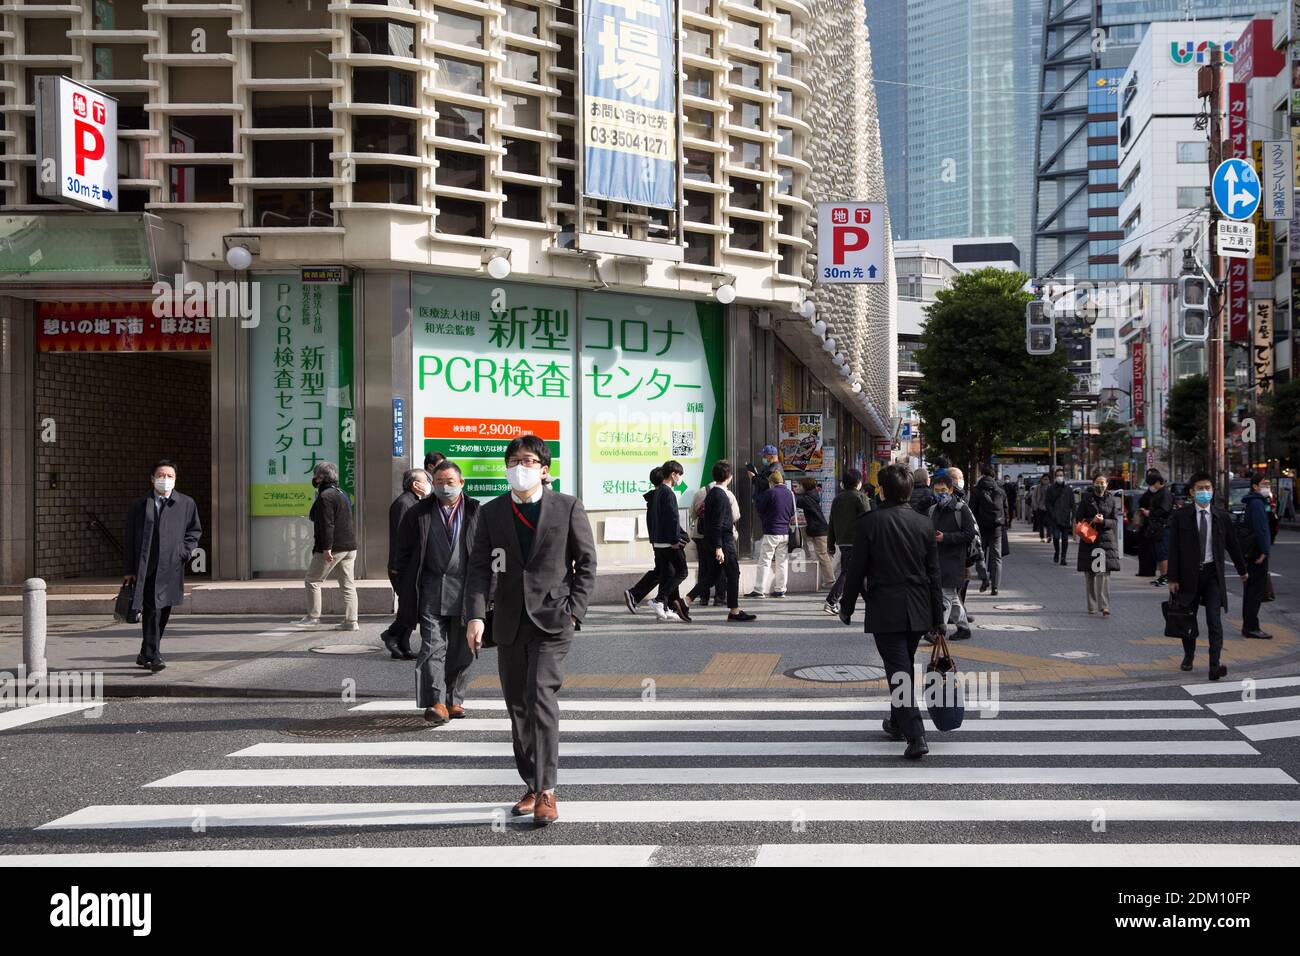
{"points": [[117, 327], [300, 382], [492, 361], [850, 242], [652, 390], [800, 445], [1277, 178], [1139, 384], [629, 101], [1262, 355], [1264, 269]]}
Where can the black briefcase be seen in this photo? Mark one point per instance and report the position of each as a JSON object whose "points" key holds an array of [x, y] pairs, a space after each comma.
{"points": [[123, 612], [1180, 620]]}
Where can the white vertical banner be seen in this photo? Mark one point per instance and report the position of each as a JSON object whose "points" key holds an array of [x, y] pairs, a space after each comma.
{"points": [[1277, 176]]}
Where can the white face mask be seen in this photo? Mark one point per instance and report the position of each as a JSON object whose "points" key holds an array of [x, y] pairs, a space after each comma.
{"points": [[1266, 491], [1059, 480], [447, 493], [959, 484], [164, 486], [523, 479]]}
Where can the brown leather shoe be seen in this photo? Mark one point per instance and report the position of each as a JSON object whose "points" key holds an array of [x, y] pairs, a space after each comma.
{"points": [[545, 811], [436, 715], [455, 711], [525, 805]]}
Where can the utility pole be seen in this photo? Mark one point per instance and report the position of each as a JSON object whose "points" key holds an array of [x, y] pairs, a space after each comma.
{"points": [[1209, 83]]}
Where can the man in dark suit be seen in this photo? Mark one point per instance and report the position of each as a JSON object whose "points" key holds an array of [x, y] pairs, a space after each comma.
{"points": [[434, 543], [416, 484], [896, 560], [539, 544], [1198, 535], [162, 531]]}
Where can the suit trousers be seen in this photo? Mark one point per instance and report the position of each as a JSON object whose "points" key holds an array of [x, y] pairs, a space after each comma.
{"points": [[898, 651], [400, 628], [319, 570], [153, 621], [1256, 585], [1208, 593], [531, 675], [954, 612], [442, 666]]}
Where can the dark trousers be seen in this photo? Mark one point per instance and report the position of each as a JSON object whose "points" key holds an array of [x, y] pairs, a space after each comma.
{"points": [[704, 558], [1256, 586], [404, 622], [670, 563], [717, 575], [153, 621], [1060, 541], [645, 585], [837, 589], [898, 650], [442, 666], [531, 675], [1208, 593]]}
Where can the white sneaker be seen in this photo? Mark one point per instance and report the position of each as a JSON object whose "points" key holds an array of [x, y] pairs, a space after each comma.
{"points": [[667, 616], [656, 607], [347, 626], [306, 622]]}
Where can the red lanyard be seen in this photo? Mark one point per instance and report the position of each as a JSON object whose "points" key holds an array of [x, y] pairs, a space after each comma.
{"points": [[518, 514]]}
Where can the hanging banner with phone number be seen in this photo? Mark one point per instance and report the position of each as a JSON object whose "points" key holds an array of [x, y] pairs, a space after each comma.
{"points": [[629, 101]]}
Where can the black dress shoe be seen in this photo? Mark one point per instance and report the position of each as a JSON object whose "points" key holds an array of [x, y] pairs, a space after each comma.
{"points": [[984, 586], [961, 634], [390, 642], [995, 593], [405, 645], [916, 749], [1218, 671], [891, 731], [157, 665], [141, 660], [1257, 635], [1186, 665]]}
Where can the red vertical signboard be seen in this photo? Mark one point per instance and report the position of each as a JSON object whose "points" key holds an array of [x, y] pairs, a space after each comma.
{"points": [[1237, 134], [1139, 383], [1238, 302]]}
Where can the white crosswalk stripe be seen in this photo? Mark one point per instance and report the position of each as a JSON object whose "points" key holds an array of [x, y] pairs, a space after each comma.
{"points": [[1249, 702], [685, 762]]}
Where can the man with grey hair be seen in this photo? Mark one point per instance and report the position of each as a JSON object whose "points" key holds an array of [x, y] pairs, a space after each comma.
{"points": [[416, 484], [334, 546]]}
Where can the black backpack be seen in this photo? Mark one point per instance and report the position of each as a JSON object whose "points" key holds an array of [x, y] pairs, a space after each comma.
{"points": [[1245, 535]]}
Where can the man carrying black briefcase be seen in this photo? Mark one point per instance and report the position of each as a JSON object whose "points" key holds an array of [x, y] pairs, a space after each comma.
{"points": [[1198, 535]]}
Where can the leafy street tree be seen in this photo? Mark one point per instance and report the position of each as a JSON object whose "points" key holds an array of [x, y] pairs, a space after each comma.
{"points": [[1189, 422], [1113, 441], [980, 389]]}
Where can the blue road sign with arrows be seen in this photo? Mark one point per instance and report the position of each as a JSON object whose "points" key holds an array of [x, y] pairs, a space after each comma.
{"points": [[1236, 189]]}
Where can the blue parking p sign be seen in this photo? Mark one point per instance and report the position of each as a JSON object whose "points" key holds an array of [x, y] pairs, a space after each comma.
{"points": [[1236, 189]]}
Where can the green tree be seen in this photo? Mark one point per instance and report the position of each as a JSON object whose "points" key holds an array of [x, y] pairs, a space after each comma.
{"points": [[1113, 441], [1282, 430], [980, 389], [1188, 421]]}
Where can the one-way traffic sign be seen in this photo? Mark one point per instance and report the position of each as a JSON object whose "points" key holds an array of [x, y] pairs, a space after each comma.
{"points": [[1236, 240], [1236, 189]]}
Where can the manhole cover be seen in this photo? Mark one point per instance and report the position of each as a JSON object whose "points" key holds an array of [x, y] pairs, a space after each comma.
{"points": [[1074, 655], [1006, 627], [344, 649], [359, 725], [1018, 607], [837, 673]]}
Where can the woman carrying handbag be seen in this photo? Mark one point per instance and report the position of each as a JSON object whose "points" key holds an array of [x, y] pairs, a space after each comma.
{"points": [[1096, 524]]}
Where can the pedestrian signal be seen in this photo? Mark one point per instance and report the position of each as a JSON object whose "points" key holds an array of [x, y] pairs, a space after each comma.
{"points": [[1040, 329], [1193, 308]]}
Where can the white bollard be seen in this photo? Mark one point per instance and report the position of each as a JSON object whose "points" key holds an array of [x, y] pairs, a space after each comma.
{"points": [[34, 627]]}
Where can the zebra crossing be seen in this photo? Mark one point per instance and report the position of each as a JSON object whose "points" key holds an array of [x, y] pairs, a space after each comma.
{"points": [[1272, 696], [795, 781]]}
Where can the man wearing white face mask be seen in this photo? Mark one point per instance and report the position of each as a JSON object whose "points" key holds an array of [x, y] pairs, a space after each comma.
{"points": [[539, 545], [434, 543], [162, 531], [397, 636]]}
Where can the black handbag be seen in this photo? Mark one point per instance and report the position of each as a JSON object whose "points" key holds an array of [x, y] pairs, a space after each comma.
{"points": [[1180, 620], [488, 640], [943, 691], [123, 612]]}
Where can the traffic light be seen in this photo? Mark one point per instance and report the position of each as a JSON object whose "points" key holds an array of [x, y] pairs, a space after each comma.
{"points": [[1040, 328], [1193, 308]]}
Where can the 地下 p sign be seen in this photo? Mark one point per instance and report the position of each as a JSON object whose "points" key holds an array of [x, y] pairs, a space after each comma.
{"points": [[76, 144], [850, 242]]}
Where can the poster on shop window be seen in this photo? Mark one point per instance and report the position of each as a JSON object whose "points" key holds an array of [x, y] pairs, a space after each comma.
{"points": [[800, 444]]}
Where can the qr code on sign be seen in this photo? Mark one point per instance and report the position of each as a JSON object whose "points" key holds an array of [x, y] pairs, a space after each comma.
{"points": [[683, 442]]}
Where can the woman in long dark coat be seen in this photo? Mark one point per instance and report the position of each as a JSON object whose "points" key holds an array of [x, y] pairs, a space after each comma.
{"points": [[1099, 559]]}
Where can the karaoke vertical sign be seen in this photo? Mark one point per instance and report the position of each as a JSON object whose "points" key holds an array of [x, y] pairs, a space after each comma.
{"points": [[629, 101]]}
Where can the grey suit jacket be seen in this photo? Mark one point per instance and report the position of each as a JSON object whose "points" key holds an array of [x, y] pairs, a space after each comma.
{"points": [[555, 584], [438, 585]]}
